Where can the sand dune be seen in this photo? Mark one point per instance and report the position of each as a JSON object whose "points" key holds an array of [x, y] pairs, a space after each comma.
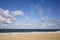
{"points": [[48, 36]]}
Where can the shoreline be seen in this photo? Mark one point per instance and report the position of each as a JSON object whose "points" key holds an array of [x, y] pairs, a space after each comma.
{"points": [[16, 33]]}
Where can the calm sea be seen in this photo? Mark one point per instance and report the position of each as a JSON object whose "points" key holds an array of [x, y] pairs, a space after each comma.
{"points": [[28, 30]]}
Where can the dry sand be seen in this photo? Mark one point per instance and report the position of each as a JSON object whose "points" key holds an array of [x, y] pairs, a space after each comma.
{"points": [[48, 36]]}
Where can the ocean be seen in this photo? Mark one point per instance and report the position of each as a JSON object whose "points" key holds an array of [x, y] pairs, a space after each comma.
{"points": [[28, 30]]}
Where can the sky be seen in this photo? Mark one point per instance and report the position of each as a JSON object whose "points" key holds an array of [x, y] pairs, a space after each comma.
{"points": [[29, 14]]}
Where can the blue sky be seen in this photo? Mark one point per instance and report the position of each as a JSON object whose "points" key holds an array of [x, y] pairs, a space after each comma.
{"points": [[29, 14]]}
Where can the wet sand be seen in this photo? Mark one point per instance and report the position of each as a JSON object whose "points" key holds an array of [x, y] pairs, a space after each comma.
{"points": [[46, 36]]}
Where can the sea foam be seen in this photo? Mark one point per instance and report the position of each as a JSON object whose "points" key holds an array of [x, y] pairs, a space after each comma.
{"points": [[14, 33]]}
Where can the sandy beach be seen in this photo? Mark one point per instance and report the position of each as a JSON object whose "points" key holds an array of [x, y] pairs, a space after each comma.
{"points": [[37, 36]]}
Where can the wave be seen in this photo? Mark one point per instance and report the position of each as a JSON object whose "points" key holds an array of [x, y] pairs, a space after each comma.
{"points": [[14, 33]]}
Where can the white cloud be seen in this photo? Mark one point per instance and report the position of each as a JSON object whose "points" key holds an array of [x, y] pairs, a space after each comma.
{"points": [[2, 18], [4, 13], [6, 18], [18, 12]]}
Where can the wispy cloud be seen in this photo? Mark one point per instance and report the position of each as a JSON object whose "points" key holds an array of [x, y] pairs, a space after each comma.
{"points": [[32, 9], [46, 18], [18, 12], [41, 10], [27, 23], [47, 22]]}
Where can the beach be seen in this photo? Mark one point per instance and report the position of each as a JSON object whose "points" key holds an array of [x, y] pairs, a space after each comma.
{"points": [[31, 36]]}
